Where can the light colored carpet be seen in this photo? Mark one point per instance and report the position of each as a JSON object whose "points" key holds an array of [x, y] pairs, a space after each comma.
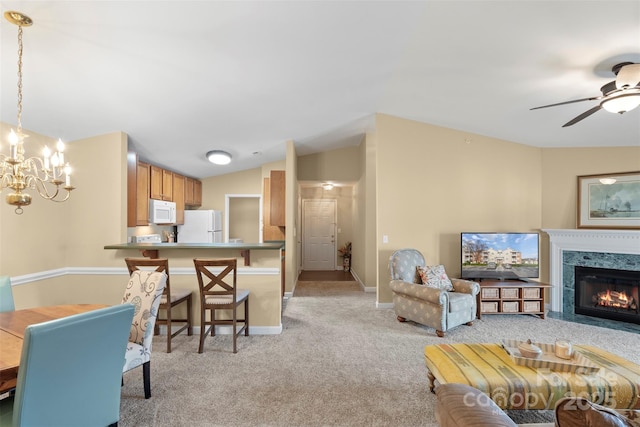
{"points": [[339, 361]]}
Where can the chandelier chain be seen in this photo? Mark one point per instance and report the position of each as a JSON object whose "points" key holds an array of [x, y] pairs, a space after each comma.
{"points": [[19, 78]]}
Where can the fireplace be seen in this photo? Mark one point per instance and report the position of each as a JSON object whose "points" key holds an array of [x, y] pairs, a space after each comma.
{"points": [[607, 293], [569, 248]]}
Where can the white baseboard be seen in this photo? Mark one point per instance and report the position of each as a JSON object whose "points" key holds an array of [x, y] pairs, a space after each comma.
{"points": [[384, 305], [226, 330]]}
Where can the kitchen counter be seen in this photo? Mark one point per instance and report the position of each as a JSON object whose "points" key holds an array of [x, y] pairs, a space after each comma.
{"points": [[151, 249], [261, 274]]}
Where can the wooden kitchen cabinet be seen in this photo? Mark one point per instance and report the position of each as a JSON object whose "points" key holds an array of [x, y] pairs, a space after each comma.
{"points": [[179, 196], [161, 184], [277, 186], [193, 192], [138, 175], [197, 192], [269, 232]]}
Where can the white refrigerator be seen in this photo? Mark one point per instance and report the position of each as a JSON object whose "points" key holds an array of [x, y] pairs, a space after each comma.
{"points": [[201, 226]]}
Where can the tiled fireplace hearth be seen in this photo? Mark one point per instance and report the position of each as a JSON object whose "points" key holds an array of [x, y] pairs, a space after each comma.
{"points": [[603, 249]]}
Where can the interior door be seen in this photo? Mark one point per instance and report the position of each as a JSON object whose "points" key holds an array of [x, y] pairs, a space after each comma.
{"points": [[319, 228]]}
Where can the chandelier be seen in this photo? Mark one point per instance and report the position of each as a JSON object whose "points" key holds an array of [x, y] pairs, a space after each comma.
{"points": [[45, 175]]}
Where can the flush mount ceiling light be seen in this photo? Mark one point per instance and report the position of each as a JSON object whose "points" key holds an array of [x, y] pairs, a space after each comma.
{"points": [[327, 186], [219, 157], [607, 181]]}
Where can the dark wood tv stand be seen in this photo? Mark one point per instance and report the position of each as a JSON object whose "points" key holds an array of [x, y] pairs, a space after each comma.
{"points": [[511, 297]]}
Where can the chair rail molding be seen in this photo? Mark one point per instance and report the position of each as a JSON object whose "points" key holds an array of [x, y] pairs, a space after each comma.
{"points": [[585, 240], [100, 271]]}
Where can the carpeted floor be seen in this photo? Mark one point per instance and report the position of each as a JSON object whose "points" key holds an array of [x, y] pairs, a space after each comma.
{"points": [[339, 361]]}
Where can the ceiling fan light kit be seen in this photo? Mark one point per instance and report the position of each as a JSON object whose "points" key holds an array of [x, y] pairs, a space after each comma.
{"points": [[626, 101], [618, 96]]}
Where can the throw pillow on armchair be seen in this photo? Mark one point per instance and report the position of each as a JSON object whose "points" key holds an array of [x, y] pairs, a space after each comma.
{"points": [[435, 277]]}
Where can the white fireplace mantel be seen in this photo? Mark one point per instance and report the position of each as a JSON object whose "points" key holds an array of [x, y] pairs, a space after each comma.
{"points": [[585, 240]]}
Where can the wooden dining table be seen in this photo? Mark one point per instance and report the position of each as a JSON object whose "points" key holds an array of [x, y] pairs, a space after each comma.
{"points": [[12, 327]]}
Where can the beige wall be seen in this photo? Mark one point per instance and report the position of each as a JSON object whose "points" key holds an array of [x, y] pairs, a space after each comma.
{"points": [[293, 226], [433, 183], [561, 167], [215, 188], [336, 165]]}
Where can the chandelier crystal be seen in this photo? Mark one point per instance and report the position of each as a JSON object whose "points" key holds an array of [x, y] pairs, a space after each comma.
{"points": [[17, 173]]}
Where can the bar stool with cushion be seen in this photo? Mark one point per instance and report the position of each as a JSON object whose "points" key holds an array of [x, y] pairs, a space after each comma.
{"points": [[218, 294], [170, 298]]}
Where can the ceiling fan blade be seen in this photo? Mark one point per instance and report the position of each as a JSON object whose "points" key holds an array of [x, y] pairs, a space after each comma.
{"points": [[593, 98], [628, 76], [582, 116]]}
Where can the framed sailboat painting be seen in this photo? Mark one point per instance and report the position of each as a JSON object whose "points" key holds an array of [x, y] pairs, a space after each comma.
{"points": [[609, 200]]}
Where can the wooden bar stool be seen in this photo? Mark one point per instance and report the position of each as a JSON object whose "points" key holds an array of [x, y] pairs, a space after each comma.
{"points": [[218, 294], [170, 297]]}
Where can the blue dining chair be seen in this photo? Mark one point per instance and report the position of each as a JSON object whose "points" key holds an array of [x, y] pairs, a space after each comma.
{"points": [[6, 294], [71, 371]]}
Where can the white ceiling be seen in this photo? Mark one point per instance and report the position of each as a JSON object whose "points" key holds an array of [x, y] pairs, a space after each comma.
{"points": [[185, 77]]}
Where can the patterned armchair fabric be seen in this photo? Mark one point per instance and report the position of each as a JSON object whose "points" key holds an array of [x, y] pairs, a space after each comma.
{"points": [[144, 292], [428, 306]]}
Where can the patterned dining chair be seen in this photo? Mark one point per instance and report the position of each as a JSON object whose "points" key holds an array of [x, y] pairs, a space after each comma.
{"points": [[144, 291], [171, 297], [216, 293]]}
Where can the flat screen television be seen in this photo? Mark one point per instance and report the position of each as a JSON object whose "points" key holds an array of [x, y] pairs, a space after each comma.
{"points": [[503, 256]]}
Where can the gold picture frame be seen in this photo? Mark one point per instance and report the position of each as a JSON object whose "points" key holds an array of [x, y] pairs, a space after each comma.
{"points": [[609, 201]]}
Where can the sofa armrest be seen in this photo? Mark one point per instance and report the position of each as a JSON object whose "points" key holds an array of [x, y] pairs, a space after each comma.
{"points": [[579, 412], [466, 286], [460, 405], [421, 292]]}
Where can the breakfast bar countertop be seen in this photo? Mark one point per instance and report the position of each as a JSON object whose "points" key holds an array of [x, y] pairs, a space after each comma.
{"points": [[151, 250], [157, 246]]}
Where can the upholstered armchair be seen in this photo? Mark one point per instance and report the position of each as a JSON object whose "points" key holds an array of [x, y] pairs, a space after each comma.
{"points": [[426, 295]]}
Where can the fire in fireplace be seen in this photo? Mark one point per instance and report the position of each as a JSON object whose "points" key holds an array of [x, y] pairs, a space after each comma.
{"points": [[609, 294], [615, 299]]}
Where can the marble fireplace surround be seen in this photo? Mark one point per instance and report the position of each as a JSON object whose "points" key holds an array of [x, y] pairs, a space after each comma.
{"points": [[609, 242]]}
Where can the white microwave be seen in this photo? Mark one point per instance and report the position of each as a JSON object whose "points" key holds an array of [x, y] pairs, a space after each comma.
{"points": [[161, 212]]}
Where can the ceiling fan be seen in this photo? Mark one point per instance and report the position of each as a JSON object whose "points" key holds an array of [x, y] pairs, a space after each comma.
{"points": [[618, 96]]}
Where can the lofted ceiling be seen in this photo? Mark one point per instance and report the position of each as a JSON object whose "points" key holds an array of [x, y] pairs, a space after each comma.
{"points": [[185, 77]]}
